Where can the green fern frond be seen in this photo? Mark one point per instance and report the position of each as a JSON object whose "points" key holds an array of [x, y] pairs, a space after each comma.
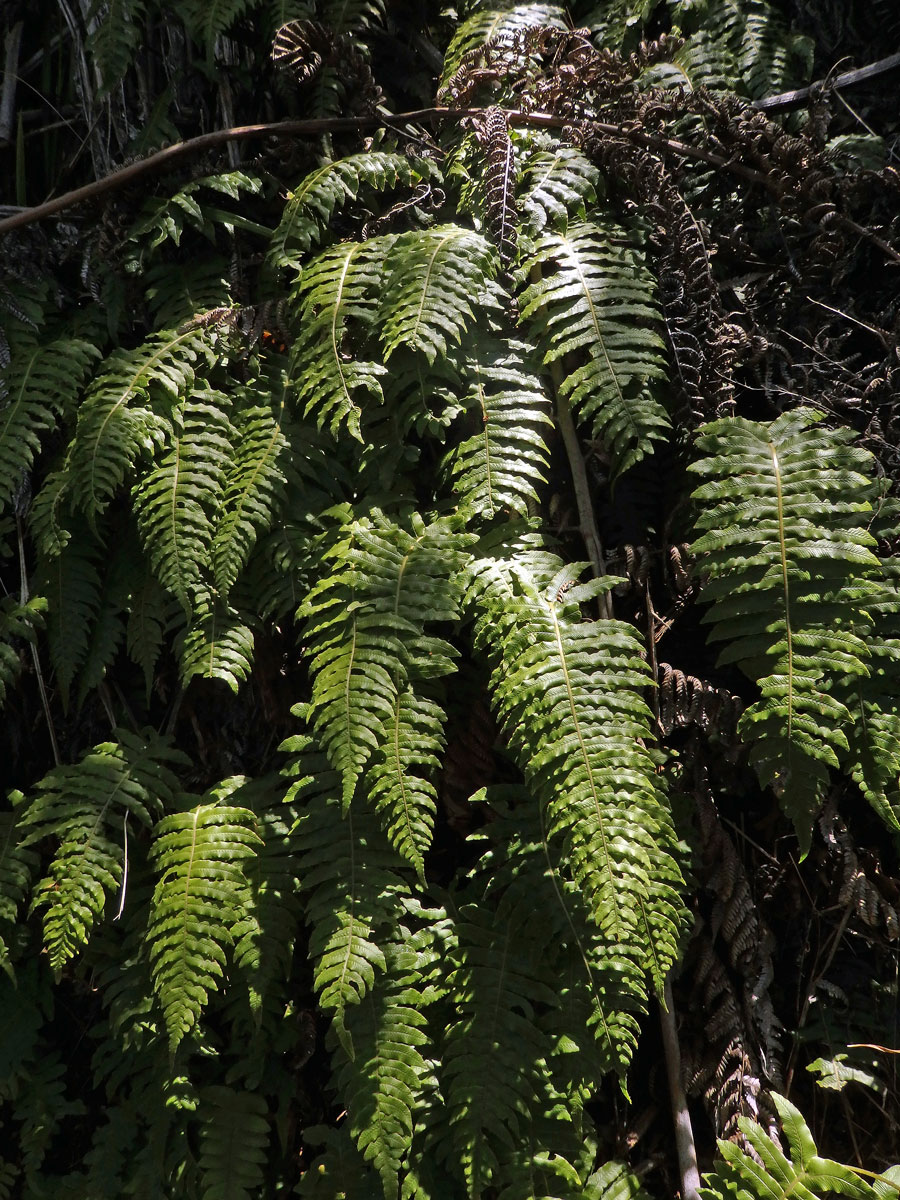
{"points": [[217, 645], [769, 1174], [789, 559], [433, 278], [556, 184], [702, 61], [570, 695], [201, 894], [18, 864], [207, 20], [366, 638], [264, 937], [497, 987], [120, 414], [491, 23], [340, 285], [177, 499], [521, 872], [71, 583], [311, 207], [384, 1081], [167, 218], [874, 758], [108, 628], [340, 1172], [177, 292], [234, 1136], [42, 381], [614, 1181], [767, 56], [115, 35], [252, 487], [502, 465], [400, 778], [610, 22], [149, 617], [18, 623], [351, 876], [85, 808], [592, 295]]}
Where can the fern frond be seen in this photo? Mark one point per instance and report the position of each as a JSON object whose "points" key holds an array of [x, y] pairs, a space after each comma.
{"points": [[771, 1175], [252, 487], [119, 414], [234, 1135], [217, 645], [490, 23], [177, 292], [149, 615], [72, 585], [702, 61], [570, 695], [114, 37], [208, 19], [503, 464], [85, 807], [18, 623], [201, 894], [592, 295], [42, 381], [264, 937], [18, 864], [383, 1083], [788, 556], [340, 285], [500, 184], [433, 278], [366, 637], [874, 759], [556, 184], [108, 629], [167, 218], [178, 498], [497, 987], [311, 207], [614, 1181], [768, 57], [353, 883], [340, 1172]]}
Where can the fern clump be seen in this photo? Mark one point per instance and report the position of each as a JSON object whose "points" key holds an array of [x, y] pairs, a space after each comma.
{"points": [[359, 838]]}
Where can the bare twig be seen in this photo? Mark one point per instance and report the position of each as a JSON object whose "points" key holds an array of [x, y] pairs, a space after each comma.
{"points": [[163, 159], [23, 600], [684, 1134], [794, 99], [10, 79]]}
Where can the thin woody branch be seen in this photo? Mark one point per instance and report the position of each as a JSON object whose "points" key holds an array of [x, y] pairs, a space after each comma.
{"points": [[163, 159], [788, 100]]}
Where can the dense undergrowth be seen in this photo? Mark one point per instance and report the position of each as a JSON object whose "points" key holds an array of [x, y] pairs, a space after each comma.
{"points": [[450, 596]]}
